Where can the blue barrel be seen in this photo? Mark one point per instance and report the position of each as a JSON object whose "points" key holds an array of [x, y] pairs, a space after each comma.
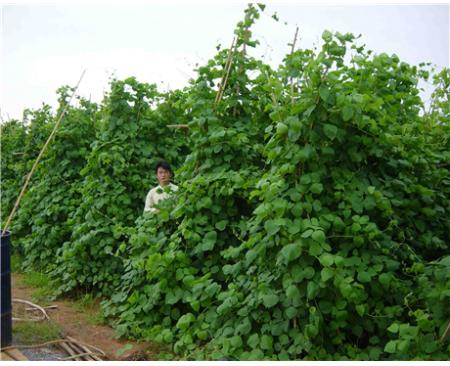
{"points": [[6, 325]]}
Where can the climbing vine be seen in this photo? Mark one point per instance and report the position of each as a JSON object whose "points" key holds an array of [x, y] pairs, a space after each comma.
{"points": [[312, 216]]}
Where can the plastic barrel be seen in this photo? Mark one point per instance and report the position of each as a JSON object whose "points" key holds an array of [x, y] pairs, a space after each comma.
{"points": [[6, 308]]}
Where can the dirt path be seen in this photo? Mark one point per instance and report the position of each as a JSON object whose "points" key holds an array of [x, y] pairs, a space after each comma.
{"points": [[77, 324]]}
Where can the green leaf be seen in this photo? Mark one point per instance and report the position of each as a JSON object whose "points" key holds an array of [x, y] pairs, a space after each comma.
{"points": [[390, 347], [270, 300], [282, 129], [221, 225], [393, 328], [327, 36], [364, 277], [253, 340], [315, 249], [291, 251], [326, 274], [236, 341], [244, 327], [324, 93], [123, 349], [271, 227], [316, 188], [308, 272], [292, 292], [347, 112], [319, 236], [312, 289], [326, 260], [307, 233], [209, 240], [184, 321], [330, 131], [266, 342], [384, 279], [360, 309], [291, 312], [295, 128]]}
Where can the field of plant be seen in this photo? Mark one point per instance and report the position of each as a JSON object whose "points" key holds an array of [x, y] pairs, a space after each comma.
{"points": [[312, 219]]}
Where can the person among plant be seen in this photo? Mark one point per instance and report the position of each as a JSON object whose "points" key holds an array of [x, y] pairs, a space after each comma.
{"points": [[161, 192]]}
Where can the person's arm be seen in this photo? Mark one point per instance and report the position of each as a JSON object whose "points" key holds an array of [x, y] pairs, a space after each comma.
{"points": [[149, 202]]}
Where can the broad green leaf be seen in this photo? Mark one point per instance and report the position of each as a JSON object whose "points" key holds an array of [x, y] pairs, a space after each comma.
{"points": [[266, 342], [393, 328], [221, 225], [271, 227], [318, 236], [315, 249], [330, 131], [209, 241], [253, 340], [236, 341], [292, 292], [324, 93], [316, 188], [326, 274], [291, 312], [364, 277], [326, 260], [327, 36], [291, 251], [270, 300], [347, 112], [312, 290], [390, 347]]}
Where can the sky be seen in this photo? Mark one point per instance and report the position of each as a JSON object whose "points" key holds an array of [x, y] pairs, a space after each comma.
{"points": [[45, 46]]}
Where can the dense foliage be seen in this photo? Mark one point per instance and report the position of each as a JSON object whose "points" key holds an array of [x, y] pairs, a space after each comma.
{"points": [[43, 220], [312, 219]]}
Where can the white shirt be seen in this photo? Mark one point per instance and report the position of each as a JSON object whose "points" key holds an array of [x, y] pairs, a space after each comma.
{"points": [[157, 194]]}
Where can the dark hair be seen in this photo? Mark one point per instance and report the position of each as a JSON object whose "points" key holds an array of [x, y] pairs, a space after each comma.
{"points": [[163, 164]]}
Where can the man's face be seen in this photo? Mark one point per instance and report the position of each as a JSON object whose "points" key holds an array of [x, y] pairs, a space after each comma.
{"points": [[163, 176]]}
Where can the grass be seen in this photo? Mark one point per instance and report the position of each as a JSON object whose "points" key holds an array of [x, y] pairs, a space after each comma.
{"points": [[44, 292], [15, 263], [90, 308], [27, 333]]}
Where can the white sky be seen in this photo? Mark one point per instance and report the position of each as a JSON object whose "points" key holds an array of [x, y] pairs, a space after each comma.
{"points": [[47, 46]]}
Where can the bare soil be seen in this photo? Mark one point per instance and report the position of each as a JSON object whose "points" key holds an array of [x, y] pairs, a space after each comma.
{"points": [[76, 323]]}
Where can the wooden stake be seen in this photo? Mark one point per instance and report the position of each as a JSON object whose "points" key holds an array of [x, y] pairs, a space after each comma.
{"points": [[227, 69], [224, 72], [41, 153], [86, 349], [69, 350], [37, 307], [295, 40], [445, 333], [292, 51], [177, 126], [84, 345]]}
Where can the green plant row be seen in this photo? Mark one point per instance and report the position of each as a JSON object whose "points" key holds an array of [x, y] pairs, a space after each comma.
{"points": [[311, 222]]}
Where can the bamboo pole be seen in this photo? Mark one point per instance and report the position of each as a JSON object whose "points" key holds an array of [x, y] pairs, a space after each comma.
{"points": [[227, 69], [73, 340], [445, 333], [292, 51], [41, 153], [83, 347], [37, 307], [177, 126], [70, 351], [295, 40]]}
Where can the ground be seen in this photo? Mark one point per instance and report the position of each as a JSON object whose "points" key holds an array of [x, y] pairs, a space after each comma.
{"points": [[82, 321]]}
